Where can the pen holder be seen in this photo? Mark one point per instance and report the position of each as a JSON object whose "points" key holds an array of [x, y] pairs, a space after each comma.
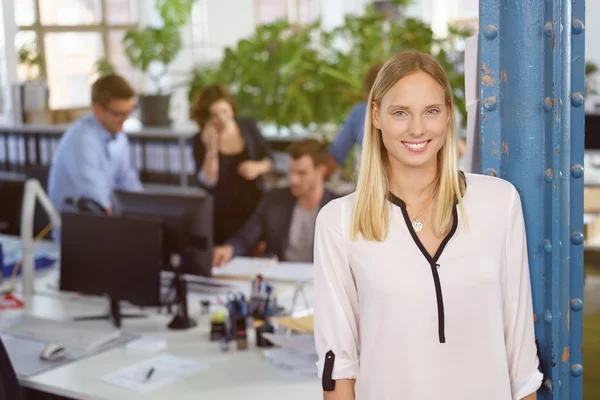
{"points": [[218, 326], [263, 327], [241, 335]]}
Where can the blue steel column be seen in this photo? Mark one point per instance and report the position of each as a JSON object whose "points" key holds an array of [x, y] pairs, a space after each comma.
{"points": [[531, 130], [577, 150]]}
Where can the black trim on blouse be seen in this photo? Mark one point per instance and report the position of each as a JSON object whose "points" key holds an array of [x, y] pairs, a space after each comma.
{"points": [[433, 261]]}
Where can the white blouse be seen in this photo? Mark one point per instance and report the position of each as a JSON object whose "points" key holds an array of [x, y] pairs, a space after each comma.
{"points": [[457, 326]]}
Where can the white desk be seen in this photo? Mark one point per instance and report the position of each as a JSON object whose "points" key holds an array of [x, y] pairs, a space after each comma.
{"points": [[243, 374], [235, 374]]}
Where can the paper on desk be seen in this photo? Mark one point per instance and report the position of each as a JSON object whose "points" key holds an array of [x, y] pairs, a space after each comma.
{"points": [[167, 369], [294, 361], [304, 343], [243, 268], [290, 272], [297, 353], [146, 343], [304, 324]]}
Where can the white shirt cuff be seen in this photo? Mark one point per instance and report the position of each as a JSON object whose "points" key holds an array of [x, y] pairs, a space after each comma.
{"points": [[205, 181], [342, 369], [525, 387]]}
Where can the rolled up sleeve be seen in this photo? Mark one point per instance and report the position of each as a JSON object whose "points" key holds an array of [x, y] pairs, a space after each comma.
{"points": [[519, 333], [335, 297]]}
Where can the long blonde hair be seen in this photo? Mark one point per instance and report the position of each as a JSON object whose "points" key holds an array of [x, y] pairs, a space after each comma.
{"points": [[370, 216]]}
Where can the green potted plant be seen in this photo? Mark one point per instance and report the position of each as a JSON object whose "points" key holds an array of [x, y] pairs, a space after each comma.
{"points": [[33, 91], [102, 67], [151, 50], [291, 75]]}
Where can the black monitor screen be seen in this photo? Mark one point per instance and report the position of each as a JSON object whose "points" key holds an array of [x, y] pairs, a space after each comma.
{"points": [[592, 132], [120, 257], [187, 222]]}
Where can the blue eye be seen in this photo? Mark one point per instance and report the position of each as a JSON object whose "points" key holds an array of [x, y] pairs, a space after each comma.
{"points": [[433, 111], [398, 113]]}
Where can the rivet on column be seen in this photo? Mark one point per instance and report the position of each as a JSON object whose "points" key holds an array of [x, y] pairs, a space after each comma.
{"points": [[548, 28], [490, 32], [548, 104], [489, 103], [490, 172], [576, 370], [548, 175], [547, 246], [577, 171], [548, 317], [577, 26], [577, 238], [576, 304], [577, 99]]}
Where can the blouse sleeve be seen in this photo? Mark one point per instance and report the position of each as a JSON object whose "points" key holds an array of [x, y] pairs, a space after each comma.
{"points": [[335, 300], [519, 333]]}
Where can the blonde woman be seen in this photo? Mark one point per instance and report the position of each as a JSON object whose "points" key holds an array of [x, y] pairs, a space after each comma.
{"points": [[422, 287]]}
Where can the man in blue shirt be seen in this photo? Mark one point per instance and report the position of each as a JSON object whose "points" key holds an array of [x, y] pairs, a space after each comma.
{"points": [[352, 131], [92, 158]]}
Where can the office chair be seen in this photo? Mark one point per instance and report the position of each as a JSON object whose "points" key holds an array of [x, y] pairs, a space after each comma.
{"points": [[9, 385]]}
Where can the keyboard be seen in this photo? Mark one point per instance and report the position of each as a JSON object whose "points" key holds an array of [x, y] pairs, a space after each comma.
{"points": [[67, 333]]}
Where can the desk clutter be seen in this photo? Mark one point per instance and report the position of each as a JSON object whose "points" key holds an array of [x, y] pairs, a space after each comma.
{"points": [[231, 324]]}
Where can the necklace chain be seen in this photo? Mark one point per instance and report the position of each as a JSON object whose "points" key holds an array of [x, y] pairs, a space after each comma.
{"points": [[416, 224]]}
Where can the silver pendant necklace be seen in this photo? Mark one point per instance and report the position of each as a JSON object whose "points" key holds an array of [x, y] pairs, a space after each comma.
{"points": [[417, 225]]}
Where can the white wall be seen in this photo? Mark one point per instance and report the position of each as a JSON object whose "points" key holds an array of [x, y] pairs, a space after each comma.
{"points": [[8, 60]]}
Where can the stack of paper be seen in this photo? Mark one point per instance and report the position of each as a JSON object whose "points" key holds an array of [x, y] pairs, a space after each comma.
{"points": [[304, 324], [243, 268], [248, 268], [154, 373], [290, 272], [296, 353]]}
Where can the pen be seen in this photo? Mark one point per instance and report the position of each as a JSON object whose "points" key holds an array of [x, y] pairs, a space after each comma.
{"points": [[149, 374]]}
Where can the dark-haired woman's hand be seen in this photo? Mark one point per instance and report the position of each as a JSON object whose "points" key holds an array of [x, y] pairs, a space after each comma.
{"points": [[210, 138], [251, 170]]}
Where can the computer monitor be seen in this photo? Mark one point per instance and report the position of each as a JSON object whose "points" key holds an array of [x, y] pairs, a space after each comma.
{"points": [[187, 221], [119, 257], [592, 128]]}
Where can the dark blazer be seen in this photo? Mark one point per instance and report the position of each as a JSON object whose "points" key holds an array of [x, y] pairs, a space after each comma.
{"points": [[9, 385], [256, 146], [271, 222]]}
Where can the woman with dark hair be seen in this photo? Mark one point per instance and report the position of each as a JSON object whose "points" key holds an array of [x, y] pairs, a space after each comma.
{"points": [[231, 157]]}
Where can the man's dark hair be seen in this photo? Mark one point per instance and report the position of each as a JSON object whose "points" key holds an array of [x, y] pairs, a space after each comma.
{"points": [[311, 147], [111, 87]]}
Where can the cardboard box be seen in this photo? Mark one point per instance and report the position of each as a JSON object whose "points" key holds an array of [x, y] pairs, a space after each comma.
{"points": [[591, 199], [591, 226]]}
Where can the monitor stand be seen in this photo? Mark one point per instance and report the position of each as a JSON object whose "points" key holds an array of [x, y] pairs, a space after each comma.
{"points": [[182, 319], [115, 315]]}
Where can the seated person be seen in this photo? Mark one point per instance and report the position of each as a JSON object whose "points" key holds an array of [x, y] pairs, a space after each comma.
{"points": [[231, 156], [93, 158], [285, 217]]}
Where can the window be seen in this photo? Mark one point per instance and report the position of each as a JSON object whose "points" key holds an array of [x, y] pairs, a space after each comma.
{"points": [[74, 35], [268, 11]]}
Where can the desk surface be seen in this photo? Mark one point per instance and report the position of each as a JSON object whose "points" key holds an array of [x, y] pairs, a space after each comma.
{"points": [[231, 375]]}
